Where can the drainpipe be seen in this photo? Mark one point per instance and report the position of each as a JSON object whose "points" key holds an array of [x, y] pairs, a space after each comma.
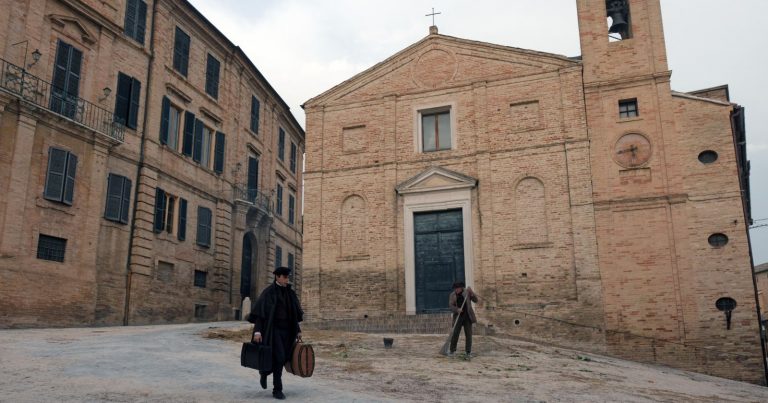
{"points": [[128, 273]]}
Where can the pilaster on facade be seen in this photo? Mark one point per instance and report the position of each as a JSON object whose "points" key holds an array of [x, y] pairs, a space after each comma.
{"points": [[142, 252], [18, 184]]}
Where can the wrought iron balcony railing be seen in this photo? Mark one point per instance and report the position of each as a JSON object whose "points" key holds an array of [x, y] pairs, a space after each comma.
{"points": [[254, 196], [30, 88]]}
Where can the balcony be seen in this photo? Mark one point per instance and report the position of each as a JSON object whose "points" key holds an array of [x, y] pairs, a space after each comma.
{"points": [[260, 204], [17, 81]]}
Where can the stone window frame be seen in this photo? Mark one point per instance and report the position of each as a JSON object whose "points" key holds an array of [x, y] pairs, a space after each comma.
{"points": [[430, 108]]}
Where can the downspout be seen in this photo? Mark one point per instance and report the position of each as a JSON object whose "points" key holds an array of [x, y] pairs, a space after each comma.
{"points": [[128, 273], [738, 130]]}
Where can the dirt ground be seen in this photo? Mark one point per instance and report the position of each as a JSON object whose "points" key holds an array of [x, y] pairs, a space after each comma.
{"points": [[201, 363], [501, 370]]}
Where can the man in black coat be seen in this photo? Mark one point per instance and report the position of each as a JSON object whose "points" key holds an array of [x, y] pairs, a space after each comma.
{"points": [[276, 316]]}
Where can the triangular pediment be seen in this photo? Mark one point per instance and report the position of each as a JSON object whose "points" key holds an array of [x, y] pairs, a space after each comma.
{"points": [[65, 21], [440, 61], [434, 179]]}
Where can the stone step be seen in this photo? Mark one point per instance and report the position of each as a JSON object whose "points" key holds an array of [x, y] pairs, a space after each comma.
{"points": [[434, 323]]}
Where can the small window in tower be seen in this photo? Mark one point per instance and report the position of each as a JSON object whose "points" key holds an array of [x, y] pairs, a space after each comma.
{"points": [[618, 16], [708, 157], [718, 240], [628, 108]]}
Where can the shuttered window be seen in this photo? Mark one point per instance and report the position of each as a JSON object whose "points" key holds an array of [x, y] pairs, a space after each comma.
{"points": [[127, 100], [279, 209], [255, 107], [118, 198], [197, 141], [66, 80], [159, 210], [60, 178], [189, 133], [291, 209], [200, 278], [136, 19], [253, 178], [290, 262], [182, 234], [278, 256], [218, 154], [181, 52], [293, 157], [204, 226], [281, 144], [212, 77]]}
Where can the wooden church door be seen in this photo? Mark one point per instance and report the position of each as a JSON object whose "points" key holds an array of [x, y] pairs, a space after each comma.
{"points": [[439, 257]]}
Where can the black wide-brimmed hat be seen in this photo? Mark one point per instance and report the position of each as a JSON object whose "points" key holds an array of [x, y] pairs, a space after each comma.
{"points": [[282, 270], [458, 284]]}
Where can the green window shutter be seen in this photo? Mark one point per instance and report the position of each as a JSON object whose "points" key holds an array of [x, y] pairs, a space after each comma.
{"points": [[197, 149], [141, 22], [54, 180], [281, 144], [189, 130], [133, 107], [212, 76], [291, 209], [164, 120], [131, 9], [293, 157], [182, 234], [255, 108], [218, 156], [69, 182], [126, 204], [123, 98], [114, 197], [181, 51], [159, 210], [203, 226], [253, 177], [279, 210], [278, 256]]}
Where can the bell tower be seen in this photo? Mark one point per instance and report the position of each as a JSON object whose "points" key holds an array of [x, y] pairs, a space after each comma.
{"points": [[636, 190], [621, 39], [660, 210]]}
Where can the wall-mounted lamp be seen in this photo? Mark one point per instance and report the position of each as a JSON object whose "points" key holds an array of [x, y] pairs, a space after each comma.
{"points": [[106, 91], [35, 58]]}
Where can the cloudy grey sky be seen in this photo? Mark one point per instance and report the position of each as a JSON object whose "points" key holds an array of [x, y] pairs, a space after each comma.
{"points": [[304, 47]]}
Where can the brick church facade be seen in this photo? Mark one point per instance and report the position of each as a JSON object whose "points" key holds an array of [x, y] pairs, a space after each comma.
{"points": [[149, 173], [585, 201]]}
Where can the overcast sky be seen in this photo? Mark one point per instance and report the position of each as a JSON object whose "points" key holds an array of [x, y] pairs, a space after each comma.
{"points": [[306, 47]]}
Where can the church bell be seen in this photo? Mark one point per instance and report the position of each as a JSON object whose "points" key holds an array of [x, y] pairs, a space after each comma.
{"points": [[618, 11]]}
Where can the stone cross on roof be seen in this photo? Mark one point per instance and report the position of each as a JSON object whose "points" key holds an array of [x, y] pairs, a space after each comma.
{"points": [[433, 16]]}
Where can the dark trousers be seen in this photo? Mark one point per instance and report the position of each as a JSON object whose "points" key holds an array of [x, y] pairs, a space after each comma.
{"points": [[465, 323], [281, 349]]}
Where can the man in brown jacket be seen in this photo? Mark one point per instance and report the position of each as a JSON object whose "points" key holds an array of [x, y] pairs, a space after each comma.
{"points": [[466, 316]]}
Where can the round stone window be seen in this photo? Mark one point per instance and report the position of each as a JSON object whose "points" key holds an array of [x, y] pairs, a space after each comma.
{"points": [[707, 157], [725, 304], [717, 240]]}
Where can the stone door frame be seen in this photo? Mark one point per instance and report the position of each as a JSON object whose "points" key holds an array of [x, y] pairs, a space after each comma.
{"points": [[435, 189]]}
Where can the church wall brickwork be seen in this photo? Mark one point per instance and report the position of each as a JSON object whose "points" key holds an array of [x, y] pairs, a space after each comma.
{"points": [[587, 228]]}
